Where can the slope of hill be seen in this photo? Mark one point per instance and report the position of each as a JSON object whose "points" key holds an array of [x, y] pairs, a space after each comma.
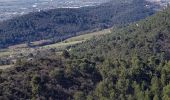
{"points": [[131, 64], [134, 62], [59, 24]]}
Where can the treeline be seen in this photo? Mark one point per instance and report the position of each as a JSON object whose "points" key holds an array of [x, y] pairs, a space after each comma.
{"points": [[59, 24]]}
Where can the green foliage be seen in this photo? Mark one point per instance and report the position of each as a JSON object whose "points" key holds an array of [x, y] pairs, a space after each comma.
{"points": [[48, 78], [136, 60], [156, 97], [104, 91], [57, 73], [35, 81], [21, 61], [166, 92], [66, 54], [133, 63], [79, 96], [60, 24]]}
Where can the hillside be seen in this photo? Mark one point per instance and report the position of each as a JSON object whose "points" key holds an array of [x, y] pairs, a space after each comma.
{"points": [[9, 56], [132, 63], [59, 24]]}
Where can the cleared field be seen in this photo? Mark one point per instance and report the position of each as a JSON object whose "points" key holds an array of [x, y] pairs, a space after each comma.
{"points": [[5, 66], [89, 35], [60, 45], [77, 39], [4, 52]]}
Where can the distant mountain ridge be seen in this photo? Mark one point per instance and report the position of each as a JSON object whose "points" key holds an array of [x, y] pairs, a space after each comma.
{"points": [[12, 8]]}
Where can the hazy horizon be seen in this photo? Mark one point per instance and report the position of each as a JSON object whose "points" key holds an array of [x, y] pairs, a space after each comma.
{"points": [[11, 8]]}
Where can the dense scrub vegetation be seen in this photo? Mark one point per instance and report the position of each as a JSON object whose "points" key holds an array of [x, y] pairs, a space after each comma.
{"points": [[47, 78], [133, 63], [59, 24]]}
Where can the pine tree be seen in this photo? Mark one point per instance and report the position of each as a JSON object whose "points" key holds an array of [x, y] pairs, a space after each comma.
{"points": [[166, 93]]}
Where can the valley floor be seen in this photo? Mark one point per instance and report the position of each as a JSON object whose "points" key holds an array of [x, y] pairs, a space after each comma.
{"points": [[18, 51]]}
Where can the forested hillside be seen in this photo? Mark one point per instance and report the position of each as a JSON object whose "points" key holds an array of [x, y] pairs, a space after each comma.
{"points": [[132, 63], [58, 24]]}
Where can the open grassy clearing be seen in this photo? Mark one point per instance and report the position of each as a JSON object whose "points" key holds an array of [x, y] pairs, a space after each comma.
{"points": [[5, 66], [89, 35], [5, 52], [77, 39], [60, 45]]}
